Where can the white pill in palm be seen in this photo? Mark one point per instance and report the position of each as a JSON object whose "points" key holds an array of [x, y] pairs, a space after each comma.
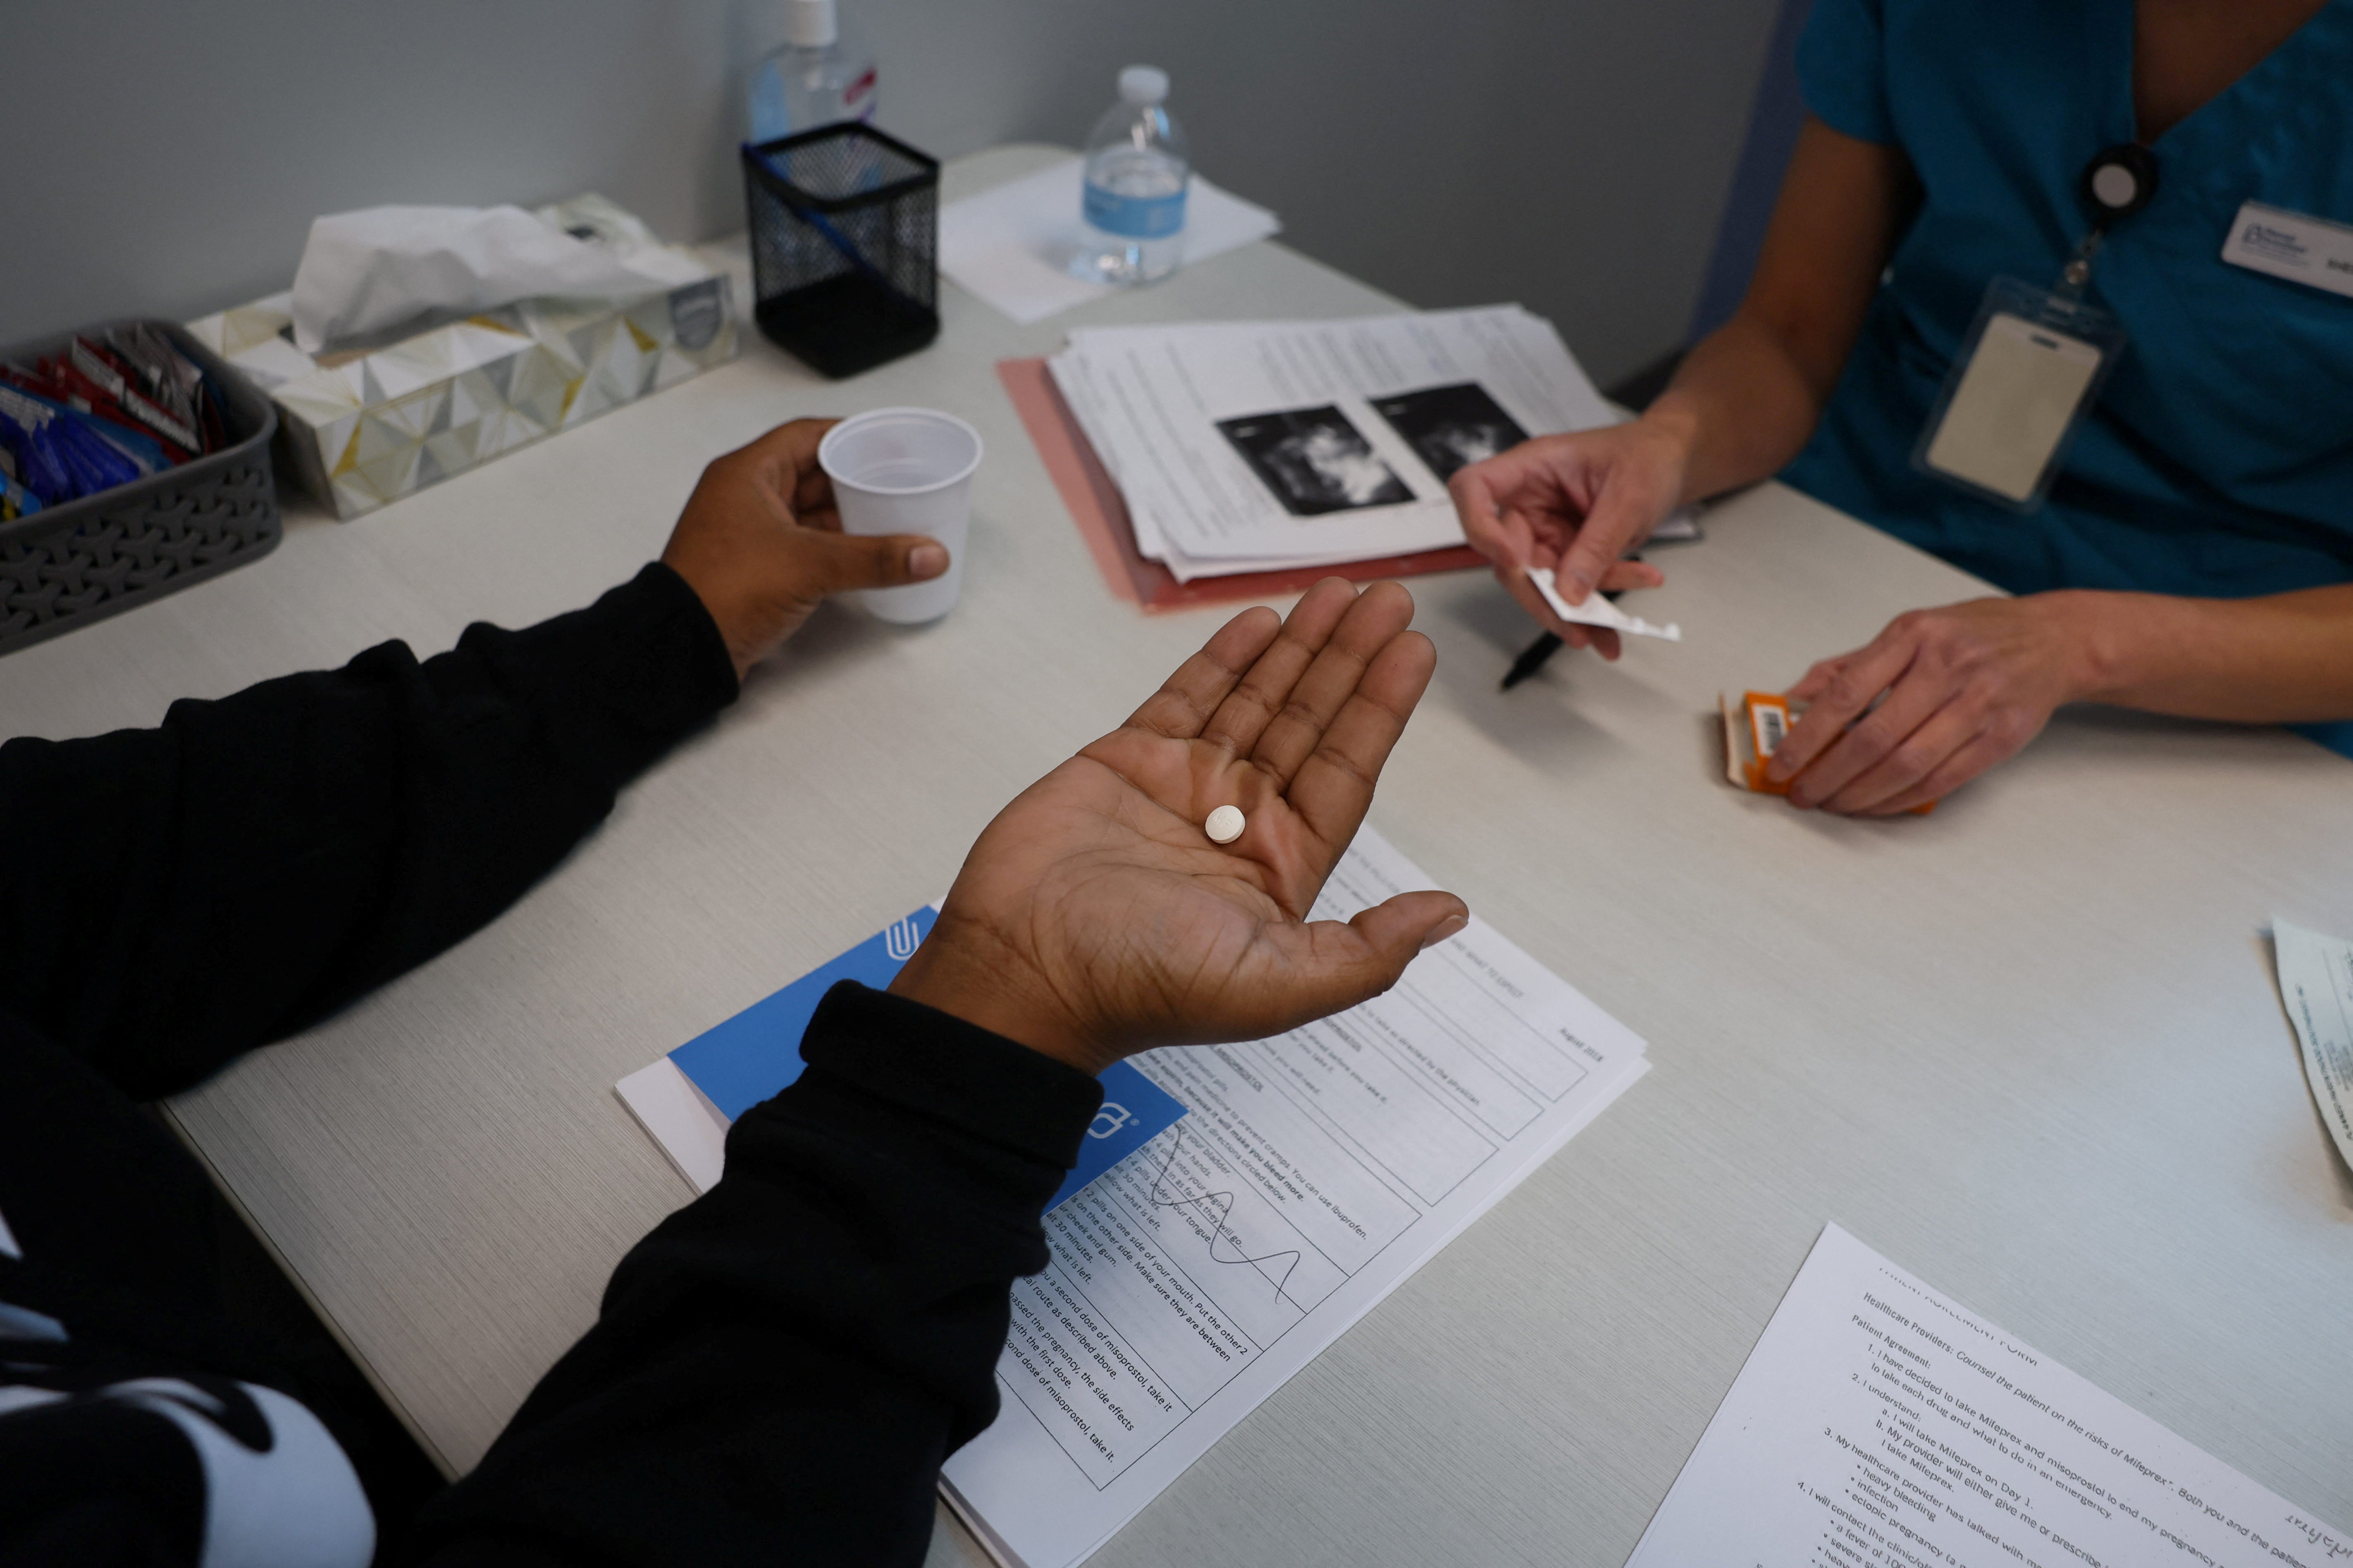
{"points": [[1224, 825]]}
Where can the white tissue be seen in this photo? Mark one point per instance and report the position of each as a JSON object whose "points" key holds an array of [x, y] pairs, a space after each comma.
{"points": [[364, 272]]}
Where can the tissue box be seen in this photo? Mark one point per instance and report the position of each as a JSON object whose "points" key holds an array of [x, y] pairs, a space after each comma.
{"points": [[364, 426]]}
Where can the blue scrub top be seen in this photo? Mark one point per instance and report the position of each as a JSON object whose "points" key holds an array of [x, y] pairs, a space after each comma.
{"points": [[2218, 461]]}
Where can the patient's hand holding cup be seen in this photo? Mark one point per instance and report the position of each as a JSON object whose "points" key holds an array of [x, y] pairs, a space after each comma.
{"points": [[905, 470]]}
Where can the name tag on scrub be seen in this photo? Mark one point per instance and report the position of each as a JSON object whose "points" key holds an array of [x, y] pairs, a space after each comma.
{"points": [[2030, 367], [2281, 244]]}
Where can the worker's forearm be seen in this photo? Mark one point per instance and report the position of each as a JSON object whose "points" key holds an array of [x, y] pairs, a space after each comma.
{"points": [[2284, 658], [1740, 404], [1748, 395]]}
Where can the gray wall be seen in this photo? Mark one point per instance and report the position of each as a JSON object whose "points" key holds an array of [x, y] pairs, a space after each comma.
{"points": [[1571, 154]]}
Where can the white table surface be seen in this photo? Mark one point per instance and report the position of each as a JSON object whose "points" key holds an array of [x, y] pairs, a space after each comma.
{"points": [[2030, 1046]]}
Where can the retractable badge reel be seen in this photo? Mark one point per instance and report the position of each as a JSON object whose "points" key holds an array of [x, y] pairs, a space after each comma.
{"points": [[2034, 359]]}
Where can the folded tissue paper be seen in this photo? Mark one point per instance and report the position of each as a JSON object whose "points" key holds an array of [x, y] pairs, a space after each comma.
{"points": [[418, 342]]}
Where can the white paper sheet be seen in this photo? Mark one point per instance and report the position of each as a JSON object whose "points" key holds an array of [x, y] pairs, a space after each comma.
{"points": [[1247, 446], [2316, 981], [1012, 244], [1879, 1423], [1314, 1172]]}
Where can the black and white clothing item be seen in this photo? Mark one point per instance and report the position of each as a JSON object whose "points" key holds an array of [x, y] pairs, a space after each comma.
{"points": [[779, 1368], [99, 1468]]}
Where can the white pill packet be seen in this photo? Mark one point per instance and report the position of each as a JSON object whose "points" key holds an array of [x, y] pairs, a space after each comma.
{"points": [[1597, 611]]}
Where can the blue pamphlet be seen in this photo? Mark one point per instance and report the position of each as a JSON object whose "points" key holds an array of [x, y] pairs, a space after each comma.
{"points": [[757, 1052], [741, 1062], [1134, 1112]]}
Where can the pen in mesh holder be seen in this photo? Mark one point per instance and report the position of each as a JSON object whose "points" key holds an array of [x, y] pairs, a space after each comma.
{"points": [[845, 245]]}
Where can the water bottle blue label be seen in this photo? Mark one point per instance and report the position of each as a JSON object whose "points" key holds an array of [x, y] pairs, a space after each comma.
{"points": [[1134, 218]]}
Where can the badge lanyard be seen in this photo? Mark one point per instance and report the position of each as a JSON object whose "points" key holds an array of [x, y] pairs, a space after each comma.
{"points": [[2035, 358]]}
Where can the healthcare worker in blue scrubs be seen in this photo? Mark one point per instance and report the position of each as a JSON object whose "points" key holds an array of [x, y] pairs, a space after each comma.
{"points": [[2194, 554]]}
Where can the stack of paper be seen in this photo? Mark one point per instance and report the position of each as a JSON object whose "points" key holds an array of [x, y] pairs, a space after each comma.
{"points": [[1263, 445]]}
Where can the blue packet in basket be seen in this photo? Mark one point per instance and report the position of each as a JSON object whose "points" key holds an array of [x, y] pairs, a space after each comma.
{"points": [[25, 427], [16, 500], [96, 465]]}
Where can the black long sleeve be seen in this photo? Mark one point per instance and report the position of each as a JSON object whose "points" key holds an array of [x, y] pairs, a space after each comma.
{"points": [[781, 1367], [171, 897]]}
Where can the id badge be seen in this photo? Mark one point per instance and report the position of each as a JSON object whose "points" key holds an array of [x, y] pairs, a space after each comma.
{"points": [[2032, 363]]}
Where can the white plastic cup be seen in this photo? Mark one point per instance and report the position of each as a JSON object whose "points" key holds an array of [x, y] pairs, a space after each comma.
{"points": [[905, 470]]}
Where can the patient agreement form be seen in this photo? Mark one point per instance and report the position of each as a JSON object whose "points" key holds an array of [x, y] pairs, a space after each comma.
{"points": [[1879, 1425], [1313, 1174]]}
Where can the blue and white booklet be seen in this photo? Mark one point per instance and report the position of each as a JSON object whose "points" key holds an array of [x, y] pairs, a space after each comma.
{"points": [[689, 1098]]}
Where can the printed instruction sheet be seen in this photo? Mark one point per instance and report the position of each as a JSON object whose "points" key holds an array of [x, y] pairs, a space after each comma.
{"points": [[1256, 446], [1881, 1425], [2316, 981], [1314, 1172]]}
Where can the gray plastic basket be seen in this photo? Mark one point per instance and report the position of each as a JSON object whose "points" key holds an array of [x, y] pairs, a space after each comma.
{"points": [[68, 565]]}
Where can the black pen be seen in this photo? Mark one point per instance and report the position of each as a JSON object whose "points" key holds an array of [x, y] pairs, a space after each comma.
{"points": [[1533, 658]]}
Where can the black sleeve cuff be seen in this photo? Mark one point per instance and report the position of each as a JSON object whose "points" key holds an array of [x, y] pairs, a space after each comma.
{"points": [[987, 1101], [647, 653]]}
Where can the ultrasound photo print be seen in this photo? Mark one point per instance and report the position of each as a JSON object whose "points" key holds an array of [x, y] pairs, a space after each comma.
{"points": [[1314, 461], [1451, 427]]}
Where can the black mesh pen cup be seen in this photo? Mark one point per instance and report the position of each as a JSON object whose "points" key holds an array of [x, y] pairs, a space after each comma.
{"points": [[845, 245]]}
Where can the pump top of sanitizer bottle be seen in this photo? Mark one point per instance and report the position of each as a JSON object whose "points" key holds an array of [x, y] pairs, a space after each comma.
{"points": [[821, 75]]}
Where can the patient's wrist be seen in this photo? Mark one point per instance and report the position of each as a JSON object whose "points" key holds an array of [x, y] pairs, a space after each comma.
{"points": [[993, 991]]}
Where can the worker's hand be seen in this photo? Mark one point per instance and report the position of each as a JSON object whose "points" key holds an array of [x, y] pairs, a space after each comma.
{"points": [[1095, 918], [1575, 503], [1957, 689], [760, 543]]}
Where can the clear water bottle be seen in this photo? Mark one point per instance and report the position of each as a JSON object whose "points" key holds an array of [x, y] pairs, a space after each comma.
{"points": [[1137, 169], [819, 78]]}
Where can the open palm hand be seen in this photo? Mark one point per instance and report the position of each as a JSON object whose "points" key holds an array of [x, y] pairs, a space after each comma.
{"points": [[1095, 917]]}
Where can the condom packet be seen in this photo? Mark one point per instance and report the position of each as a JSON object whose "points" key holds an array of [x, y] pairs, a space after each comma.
{"points": [[33, 448], [114, 378], [97, 463], [63, 385], [61, 456], [125, 434], [60, 387], [174, 382]]}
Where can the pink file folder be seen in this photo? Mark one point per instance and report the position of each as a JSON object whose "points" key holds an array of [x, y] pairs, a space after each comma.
{"points": [[1095, 506]]}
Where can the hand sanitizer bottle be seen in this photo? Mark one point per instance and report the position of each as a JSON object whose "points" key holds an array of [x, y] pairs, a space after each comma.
{"points": [[1136, 173], [817, 78]]}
